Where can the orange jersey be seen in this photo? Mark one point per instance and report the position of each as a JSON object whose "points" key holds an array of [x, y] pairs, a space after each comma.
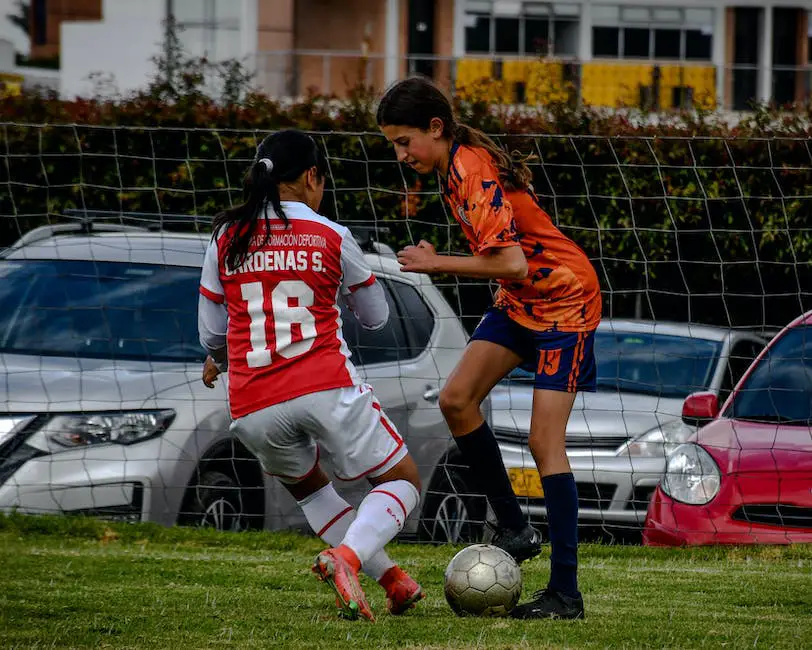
{"points": [[561, 291]]}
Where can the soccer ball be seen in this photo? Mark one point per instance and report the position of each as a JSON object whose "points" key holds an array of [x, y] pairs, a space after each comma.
{"points": [[482, 580]]}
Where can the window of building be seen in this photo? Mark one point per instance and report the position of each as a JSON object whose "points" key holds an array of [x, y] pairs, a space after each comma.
{"points": [[477, 32], [209, 28], [519, 27], [636, 43], [661, 33], [506, 34], [667, 43], [40, 22], [605, 42]]}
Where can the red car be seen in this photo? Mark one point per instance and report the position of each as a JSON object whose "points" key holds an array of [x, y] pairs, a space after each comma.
{"points": [[746, 476]]}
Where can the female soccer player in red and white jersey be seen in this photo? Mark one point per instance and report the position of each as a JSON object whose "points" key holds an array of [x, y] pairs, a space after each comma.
{"points": [[545, 315], [271, 278]]}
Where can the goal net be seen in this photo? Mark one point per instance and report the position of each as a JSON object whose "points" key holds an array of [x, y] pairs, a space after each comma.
{"points": [[702, 247]]}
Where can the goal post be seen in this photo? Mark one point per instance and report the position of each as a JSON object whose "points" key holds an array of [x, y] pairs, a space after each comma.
{"points": [[688, 231]]}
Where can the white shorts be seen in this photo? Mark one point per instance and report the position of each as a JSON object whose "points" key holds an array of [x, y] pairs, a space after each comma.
{"points": [[348, 423]]}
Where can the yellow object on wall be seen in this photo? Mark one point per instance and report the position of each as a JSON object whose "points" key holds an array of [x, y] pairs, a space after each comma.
{"points": [[613, 84], [470, 71], [545, 83], [476, 82], [11, 85], [618, 84], [543, 80], [603, 83], [702, 78]]}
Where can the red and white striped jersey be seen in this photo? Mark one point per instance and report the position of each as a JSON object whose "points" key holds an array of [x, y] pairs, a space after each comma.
{"points": [[284, 324]]}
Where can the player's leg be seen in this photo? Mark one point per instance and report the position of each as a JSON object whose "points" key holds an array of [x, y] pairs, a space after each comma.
{"points": [[561, 372], [383, 512], [496, 347], [330, 515], [360, 440], [402, 591], [288, 453]]}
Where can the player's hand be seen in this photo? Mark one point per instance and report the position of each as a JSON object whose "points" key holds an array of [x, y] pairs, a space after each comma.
{"points": [[418, 259], [210, 372]]}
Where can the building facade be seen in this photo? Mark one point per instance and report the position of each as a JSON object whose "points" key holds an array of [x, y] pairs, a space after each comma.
{"points": [[46, 18], [655, 53], [664, 53]]}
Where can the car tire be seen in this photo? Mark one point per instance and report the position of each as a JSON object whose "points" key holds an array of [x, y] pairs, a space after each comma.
{"points": [[215, 502], [452, 510]]}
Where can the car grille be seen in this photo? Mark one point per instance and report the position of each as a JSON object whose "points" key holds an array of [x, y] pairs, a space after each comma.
{"points": [[596, 442], [640, 498], [775, 514], [591, 496], [584, 442], [595, 495], [130, 513]]}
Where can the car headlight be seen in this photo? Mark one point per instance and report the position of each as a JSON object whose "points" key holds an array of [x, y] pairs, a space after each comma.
{"points": [[691, 475], [63, 432], [658, 442]]}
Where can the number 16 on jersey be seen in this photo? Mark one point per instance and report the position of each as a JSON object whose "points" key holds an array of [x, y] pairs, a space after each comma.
{"points": [[290, 302]]}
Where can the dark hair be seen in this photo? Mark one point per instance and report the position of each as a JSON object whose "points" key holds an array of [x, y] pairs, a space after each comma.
{"points": [[281, 158], [415, 101]]}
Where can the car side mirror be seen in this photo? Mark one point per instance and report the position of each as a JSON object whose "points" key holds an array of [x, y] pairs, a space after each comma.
{"points": [[700, 408]]}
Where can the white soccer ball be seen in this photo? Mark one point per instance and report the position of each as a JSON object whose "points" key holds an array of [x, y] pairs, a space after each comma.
{"points": [[482, 580]]}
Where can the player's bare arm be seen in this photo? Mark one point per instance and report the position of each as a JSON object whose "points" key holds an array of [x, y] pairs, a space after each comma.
{"points": [[504, 263]]}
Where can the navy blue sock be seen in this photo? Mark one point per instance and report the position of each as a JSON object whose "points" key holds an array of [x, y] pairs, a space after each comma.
{"points": [[481, 453], [561, 499]]}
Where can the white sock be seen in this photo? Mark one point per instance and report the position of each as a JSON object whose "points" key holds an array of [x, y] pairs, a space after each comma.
{"points": [[381, 516], [330, 516]]}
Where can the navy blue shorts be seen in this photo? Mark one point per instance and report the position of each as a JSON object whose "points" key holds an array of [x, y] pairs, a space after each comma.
{"points": [[563, 361]]}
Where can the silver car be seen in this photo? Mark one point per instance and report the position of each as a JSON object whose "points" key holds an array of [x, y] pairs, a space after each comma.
{"points": [[104, 412], [617, 438]]}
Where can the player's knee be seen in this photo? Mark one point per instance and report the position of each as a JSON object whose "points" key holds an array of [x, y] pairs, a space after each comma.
{"points": [[411, 473], [405, 470], [454, 403], [546, 442], [415, 481]]}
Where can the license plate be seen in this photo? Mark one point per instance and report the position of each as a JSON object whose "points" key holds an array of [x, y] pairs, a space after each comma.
{"points": [[526, 482]]}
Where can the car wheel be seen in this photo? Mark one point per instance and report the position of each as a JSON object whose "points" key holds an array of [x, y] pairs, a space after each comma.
{"points": [[452, 510], [215, 502]]}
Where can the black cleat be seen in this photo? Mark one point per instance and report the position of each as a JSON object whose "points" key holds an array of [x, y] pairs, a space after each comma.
{"points": [[550, 604], [520, 544]]}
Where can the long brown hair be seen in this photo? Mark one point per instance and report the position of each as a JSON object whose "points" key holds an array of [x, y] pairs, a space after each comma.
{"points": [[416, 101]]}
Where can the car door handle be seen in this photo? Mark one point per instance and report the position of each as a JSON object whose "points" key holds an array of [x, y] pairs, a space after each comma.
{"points": [[432, 394]]}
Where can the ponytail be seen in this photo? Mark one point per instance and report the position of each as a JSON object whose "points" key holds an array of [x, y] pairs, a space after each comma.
{"points": [[259, 187], [281, 158], [514, 174]]}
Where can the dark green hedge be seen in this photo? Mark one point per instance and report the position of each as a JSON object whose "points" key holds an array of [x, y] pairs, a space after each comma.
{"points": [[689, 220]]}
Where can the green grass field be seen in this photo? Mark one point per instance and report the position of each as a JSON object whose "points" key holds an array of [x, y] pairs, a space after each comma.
{"points": [[80, 583]]}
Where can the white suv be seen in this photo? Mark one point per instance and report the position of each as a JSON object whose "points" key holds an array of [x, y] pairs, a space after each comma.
{"points": [[103, 410]]}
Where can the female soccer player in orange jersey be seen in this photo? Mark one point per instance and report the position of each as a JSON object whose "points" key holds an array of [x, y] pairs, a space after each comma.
{"points": [[545, 315]]}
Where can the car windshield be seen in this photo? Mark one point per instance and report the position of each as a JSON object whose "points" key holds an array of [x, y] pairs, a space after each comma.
{"points": [[102, 310], [650, 364], [779, 389]]}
